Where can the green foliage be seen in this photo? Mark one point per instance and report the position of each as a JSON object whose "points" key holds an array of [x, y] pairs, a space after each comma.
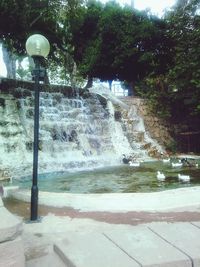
{"points": [[184, 74], [184, 30], [85, 38], [171, 147], [175, 91], [108, 41], [21, 18], [112, 42], [157, 93], [22, 73]]}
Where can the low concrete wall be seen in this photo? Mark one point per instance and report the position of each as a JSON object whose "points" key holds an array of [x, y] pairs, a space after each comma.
{"points": [[11, 245]]}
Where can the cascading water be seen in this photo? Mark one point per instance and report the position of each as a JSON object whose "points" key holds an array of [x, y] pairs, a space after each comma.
{"points": [[134, 132], [118, 139], [75, 133], [141, 140]]}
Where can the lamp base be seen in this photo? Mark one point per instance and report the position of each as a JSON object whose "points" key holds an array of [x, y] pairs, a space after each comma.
{"points": [[28, 221]]}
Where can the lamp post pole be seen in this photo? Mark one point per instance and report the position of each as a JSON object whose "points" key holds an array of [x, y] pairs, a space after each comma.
{"points": [[37, 47], [34, 189]]}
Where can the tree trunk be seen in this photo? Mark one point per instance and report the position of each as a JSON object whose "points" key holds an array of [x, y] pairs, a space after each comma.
{"points": [[73, 75], [10, 62], [89, 82], [131, 89]]}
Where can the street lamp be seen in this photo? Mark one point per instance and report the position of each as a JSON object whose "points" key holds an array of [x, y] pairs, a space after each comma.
{"points": [[37, 46]]}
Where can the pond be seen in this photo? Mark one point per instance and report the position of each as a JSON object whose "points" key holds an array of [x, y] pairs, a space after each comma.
{"points": [[116, 179]]}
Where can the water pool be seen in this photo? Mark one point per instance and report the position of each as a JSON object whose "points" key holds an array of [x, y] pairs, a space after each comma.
{"points": [[116, 179]]}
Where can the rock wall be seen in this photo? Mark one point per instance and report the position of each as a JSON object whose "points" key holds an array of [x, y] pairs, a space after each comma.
{"points": [[157, 128]]}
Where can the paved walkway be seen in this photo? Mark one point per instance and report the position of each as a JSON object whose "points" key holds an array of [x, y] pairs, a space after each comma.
{"points": [[62, 241], [123, 232]]}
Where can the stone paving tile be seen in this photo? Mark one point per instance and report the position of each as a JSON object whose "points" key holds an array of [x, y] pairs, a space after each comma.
{"points": [[184, 236], [90, 249], [197, 224], [12, 253], [147, 248]]}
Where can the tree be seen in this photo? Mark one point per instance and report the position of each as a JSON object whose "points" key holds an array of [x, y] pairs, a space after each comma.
{"points": [[9, 60], [176, 93], [12, 23], [21, 18], [85, 38], [112, 42], [184, 24]]}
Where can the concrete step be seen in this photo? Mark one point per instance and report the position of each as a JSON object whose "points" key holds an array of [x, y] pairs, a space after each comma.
{"points": [[148, 248], [92, 250], [49, 260], [151, 245], [183, 236]]}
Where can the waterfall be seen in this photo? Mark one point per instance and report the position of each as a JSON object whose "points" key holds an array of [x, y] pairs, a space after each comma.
{"points": [[135, 140], [118, 138], [141, 139], [74, 133]]}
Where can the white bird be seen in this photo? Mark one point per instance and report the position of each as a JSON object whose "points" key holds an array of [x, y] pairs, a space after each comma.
{"points": [[184, 178], [160, 176], [134, 164], [166, 160], [178, 164]]}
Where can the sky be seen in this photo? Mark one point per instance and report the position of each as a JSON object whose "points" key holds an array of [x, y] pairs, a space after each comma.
{"points": [[156, 6], [2, 65]]}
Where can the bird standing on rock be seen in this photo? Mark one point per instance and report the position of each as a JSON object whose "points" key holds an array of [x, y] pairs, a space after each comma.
{"points": [[160, 176], [134, 163], [166, 160], [178, 164], [184, 178]]}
